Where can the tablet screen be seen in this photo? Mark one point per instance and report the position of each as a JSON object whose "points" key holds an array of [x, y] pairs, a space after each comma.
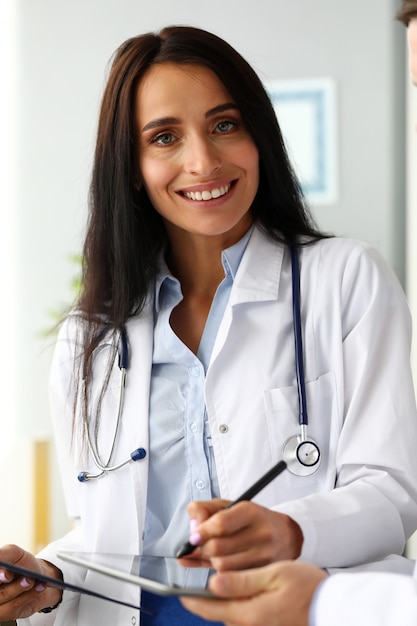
{"points": [[159, 574]]}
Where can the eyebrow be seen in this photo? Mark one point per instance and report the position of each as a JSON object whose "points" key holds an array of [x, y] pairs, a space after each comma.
{"points": [[166, 121]]}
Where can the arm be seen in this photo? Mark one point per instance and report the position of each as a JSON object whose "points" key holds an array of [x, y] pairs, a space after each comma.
{"points": [[374, 501], [375, 599], [297, 594], [362, 413], [277, 594]]}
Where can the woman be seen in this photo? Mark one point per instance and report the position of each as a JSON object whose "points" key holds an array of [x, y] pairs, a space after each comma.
{"points": [[194, 210]]}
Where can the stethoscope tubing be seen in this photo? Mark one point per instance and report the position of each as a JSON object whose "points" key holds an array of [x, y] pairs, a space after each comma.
{"points": [[298, 338]]}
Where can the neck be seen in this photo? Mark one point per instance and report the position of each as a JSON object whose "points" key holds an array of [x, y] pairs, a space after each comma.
{"points": [[197, 265], [196, 259]]}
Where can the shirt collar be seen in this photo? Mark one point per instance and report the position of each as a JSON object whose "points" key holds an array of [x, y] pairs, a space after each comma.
{"points": [[231, 258]]}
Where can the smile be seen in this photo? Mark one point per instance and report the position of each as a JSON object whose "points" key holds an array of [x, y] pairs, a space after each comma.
{"points": [[208, 194]]}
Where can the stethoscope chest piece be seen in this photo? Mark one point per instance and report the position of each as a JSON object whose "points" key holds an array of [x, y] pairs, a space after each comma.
{"points": [[302, 456]]}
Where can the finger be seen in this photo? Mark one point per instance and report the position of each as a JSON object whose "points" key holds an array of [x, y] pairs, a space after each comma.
{"points": [[14, 589], [228, 521], [225, 611], [202, 510], [5, 577], [245, 583]]}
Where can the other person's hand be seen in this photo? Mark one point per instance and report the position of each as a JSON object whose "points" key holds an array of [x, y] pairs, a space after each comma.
{"points": [[20, 596], [279, 594]]}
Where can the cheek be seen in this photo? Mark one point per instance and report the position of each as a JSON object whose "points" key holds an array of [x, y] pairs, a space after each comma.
{"points": [[251, 163], [155, 175], [251, 152]]}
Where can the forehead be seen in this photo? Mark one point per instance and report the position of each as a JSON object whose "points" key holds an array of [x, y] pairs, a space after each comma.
{"points": [[170, 86]]}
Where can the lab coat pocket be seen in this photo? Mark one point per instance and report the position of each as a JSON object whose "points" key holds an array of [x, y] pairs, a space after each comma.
{"points": [[324, 424]]}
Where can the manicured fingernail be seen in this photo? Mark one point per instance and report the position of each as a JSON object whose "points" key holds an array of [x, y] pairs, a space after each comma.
{"points": [[40, 587], [24, 583], [3, 578], [193, 525], [195, 539]]}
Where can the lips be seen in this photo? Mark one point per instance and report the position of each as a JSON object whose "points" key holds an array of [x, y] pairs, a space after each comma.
{"points": [[207, 194]]}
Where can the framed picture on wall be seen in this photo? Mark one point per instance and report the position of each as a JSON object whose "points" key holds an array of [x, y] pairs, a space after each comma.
{"points": [[306, 111]]}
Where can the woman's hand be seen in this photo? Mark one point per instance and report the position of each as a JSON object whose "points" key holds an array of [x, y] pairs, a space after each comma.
{"points": [[243, 536], [20, 596], [279, 594]]}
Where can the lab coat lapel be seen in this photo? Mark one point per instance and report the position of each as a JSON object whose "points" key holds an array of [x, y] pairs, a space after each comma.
{"points": [[140, 338], [257, 279]]}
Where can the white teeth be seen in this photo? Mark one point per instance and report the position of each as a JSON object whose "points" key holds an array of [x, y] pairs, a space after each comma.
{"points": [[207, 195]]}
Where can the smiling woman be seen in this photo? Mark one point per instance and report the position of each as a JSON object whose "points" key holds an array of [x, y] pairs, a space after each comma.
{"points": [[195, 220]]}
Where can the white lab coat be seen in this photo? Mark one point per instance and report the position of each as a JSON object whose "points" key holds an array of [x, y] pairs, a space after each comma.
{"points": [[372, 599], [362, 412]]}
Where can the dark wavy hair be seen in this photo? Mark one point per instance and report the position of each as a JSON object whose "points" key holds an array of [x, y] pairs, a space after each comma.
{"points": [[124, 233]]}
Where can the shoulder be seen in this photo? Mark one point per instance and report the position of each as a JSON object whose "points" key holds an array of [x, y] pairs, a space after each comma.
{"points": [[352, 276], [348, 259], [342, 248]]}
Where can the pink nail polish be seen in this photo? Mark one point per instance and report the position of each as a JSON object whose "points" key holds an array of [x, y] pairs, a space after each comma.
{"points": [[193, 525], [195, 539], [40, 587], [3, 578], [24, 583]]}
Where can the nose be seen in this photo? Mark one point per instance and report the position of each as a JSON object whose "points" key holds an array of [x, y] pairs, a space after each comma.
{"points": [[202, 157]]}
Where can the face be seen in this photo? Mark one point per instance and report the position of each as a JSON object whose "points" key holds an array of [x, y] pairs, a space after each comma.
{"points": [[197, 161], [412, 46]]}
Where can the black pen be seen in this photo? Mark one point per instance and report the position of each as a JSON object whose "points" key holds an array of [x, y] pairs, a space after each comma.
{"points": [[250, 493]]}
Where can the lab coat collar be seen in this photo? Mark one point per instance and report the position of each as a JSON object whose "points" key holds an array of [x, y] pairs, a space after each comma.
{"points": [[259, 273]]}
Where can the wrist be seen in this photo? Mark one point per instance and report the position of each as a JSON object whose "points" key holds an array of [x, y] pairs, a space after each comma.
{"points": [[54, 594]]}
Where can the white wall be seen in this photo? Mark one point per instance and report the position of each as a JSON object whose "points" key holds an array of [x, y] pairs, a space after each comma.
{"points": [[61, 52]]}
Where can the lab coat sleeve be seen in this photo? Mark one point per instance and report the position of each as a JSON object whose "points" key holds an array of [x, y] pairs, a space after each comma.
{"points": [[374, 599], [60, 381], [372, 510]]}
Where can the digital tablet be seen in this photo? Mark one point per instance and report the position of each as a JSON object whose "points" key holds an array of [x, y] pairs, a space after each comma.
{"points": [[158, 574], [49, 581]]}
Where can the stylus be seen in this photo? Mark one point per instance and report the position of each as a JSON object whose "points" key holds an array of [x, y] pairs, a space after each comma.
{"points": [[250, 493]]}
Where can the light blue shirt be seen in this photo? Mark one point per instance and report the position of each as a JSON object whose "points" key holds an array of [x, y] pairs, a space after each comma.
{"points": [[181, 461]]}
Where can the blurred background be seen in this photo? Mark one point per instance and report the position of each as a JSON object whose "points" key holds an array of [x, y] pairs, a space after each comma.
{"points": [[53, 63]]}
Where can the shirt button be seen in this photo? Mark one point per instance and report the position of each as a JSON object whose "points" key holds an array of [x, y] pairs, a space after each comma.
{"points": [[133, 620], [223, 428], [200, 484], [193, 427], [195, 372]]}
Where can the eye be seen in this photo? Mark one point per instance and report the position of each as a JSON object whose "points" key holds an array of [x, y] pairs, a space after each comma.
{"points": [[225, 126], [163, 139]]}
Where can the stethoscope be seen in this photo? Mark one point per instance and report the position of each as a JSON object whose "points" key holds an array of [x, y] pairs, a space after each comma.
{"points": [[300, 452], [137, 454]]}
